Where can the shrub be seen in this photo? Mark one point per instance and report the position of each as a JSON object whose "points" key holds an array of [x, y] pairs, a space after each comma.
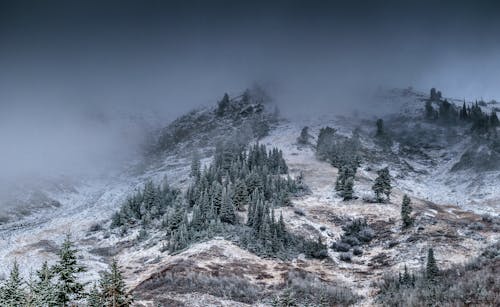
{"points": [[299, 212], [357, 251], [347, 257], [476, 226], [475, 284], [351, 240], [304, 289], [95, 227], [341, 247]]}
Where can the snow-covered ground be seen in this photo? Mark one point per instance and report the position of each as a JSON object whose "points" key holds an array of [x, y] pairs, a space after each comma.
{"points": [[36, 237]]}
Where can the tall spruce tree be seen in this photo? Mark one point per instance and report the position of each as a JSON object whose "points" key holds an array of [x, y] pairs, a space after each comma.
{"points": [[12, 292], [347, 191], [66, 270], [406, 212], [380, 127], [227, 214], [240, 196], [382, 185], [43, 290], [431, 270], [113, 291]]}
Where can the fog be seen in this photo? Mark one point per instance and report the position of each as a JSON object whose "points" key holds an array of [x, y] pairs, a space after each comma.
{"points": [[83, 82]]}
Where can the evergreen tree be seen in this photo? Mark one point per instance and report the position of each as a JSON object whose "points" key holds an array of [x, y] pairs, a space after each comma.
{"points": [[380, 127], [43, 290], [11, 292], [227, 214], [494, 122], [223, 105], [240, 197], [66, 270], [347, 191], [433, 94], [463, 112], [432, 270], [382, 185], [113, 288], [303, 139], [406, 211]]}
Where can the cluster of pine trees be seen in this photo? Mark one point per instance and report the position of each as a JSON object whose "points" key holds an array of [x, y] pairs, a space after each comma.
{"points": [[448, 113], [58, 285], [147, 205], [253, 180], [237, 180], [344, 154]]}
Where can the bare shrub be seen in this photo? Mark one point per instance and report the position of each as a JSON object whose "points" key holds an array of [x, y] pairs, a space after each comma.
{"points": [[304, 289]]}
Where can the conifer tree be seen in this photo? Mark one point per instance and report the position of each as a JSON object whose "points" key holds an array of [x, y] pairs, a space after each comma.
{"points": [[432, 270], [66, 270], [303, 139], [382, 185], [113, 291], [406, 211], [43, 290], [227, 214], [11, 292], [380, 127], [240, 197], [347, 191]]}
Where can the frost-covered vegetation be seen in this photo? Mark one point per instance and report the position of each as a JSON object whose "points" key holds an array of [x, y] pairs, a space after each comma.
{"points": [[356, 234], [59, 284], [477, 283], [238, 180]]}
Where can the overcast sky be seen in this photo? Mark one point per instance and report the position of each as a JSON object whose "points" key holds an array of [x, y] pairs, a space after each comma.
{"points": [[71, 72]]}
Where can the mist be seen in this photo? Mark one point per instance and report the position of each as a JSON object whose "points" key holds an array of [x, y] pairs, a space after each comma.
{"points": [[83, 83]]}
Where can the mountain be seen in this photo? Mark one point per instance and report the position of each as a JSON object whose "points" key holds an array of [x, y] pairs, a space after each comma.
{"points": [[336, 251]]}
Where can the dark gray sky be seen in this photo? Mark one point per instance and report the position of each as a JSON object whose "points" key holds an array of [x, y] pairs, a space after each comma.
{"points": [[73, 72]]}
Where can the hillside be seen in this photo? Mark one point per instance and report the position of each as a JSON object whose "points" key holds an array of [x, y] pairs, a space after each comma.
{"points": [[426, 161]]}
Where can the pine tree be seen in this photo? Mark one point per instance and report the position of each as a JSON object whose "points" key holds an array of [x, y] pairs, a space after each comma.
{"points": [[66, 270], [380, 127], [240, 197], [227, 214], [406, 212], [43, 290], [347, 191], [11, 292], [463, 112], [382, 185], [113, 288], [223, 105], [303, 139], [432, 270]]}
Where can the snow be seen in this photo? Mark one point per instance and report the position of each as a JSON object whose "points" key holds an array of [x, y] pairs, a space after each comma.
{"points": [[31, 240]]}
